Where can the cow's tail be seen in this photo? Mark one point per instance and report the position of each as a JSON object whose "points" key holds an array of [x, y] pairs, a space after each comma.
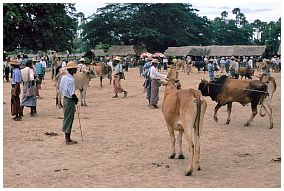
{"points": [[198, 114]]}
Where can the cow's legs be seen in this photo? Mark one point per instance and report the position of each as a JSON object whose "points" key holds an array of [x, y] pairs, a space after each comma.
{"points": [[229, 110], [173, 141], [267, 107], [83, 96], [254, 112], [197, 150], [101, 81], [188, 122], [215, 111], [179, 139]]}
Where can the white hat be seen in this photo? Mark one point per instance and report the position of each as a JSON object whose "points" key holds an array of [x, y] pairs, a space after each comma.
{"points": [[82, 60]]}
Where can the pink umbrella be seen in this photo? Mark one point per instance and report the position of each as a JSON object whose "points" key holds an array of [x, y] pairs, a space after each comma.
{"points": [[158, 54], [145, 54]]}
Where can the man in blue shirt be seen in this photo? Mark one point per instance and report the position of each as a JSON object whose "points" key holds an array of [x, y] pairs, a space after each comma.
{"points": [[67, 89], [16, 108]]}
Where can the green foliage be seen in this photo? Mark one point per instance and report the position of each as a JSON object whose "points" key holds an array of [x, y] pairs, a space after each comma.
{"points": [[155, 25], [39, 26]]}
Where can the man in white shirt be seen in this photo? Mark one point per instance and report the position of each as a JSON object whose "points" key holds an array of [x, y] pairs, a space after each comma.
{"points": [[67, 89], [155, 78]]}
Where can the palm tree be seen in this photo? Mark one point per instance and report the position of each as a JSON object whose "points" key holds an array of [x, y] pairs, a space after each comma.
{"points": [[224, 15], [237, 11]]}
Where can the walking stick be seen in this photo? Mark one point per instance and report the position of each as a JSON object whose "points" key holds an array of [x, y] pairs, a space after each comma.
{"points": [[77, 111]]}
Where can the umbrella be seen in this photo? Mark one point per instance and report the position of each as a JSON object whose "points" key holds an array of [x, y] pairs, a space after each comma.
{"points": [[158, 54], [145, 54]]}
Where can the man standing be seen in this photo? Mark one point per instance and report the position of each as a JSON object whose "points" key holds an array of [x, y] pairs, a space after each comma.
{"points": [[16, 109], [211, 69], [67, 89], [29, 88], [43, 63], [155, 77], [118, 74], [40, 73]]}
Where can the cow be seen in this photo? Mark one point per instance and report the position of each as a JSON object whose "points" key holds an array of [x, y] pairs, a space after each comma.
{"points": [[81, 83], [183, 111], [271, 87], [102, 70], [260, 65], [246, 72], [271, 84], [225, 91]]}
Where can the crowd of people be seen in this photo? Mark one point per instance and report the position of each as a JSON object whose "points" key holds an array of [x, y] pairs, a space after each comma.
{"points": [[30, 74]]}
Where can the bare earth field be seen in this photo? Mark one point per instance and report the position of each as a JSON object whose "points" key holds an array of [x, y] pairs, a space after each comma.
{"points": [[126, 144]]}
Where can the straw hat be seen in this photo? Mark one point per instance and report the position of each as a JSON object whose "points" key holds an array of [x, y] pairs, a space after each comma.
{"points": [[117, 58], [211, 60], [232, 58], [71, 64], [174, 60], [14, 62], [155, 61]]}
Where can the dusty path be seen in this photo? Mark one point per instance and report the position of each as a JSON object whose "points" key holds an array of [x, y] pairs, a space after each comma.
{"points": [[126, 144]]}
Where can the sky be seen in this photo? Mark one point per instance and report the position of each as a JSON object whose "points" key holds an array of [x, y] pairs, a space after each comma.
{"points": [[265, 10]]}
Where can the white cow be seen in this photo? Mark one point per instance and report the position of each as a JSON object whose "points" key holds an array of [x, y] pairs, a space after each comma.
{"points": [[81, 83]]}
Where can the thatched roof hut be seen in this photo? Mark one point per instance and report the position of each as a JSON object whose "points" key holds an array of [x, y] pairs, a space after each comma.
{"points": [[248, 50], [121, 50], [200, 50], [221, 51], [178, 51], [99, 52], [139, 49], [237, 50]]}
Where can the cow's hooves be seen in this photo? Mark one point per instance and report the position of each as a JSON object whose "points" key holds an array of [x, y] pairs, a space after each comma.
{"points": [[246, 124], [199, 169], [172, 156], [227, 123], [180, 157], [216, 119], [262, 115], [271, 127], [188, 173]]}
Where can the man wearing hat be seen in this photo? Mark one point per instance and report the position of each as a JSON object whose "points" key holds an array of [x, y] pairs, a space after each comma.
{"points": [[16, 109], [81, 66], [29, 87], [234, 66], [155, 78], [211, 69], [67, 89], [118, 75]]}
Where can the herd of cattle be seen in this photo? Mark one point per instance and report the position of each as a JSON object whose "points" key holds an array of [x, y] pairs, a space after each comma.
{"points": [[184, 109]]}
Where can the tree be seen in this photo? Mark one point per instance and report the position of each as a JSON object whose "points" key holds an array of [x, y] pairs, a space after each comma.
{"points": [[224, 15], [156, 25], [39, 26]]}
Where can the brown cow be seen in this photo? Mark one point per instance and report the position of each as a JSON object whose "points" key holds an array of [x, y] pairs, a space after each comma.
{"points": [[246, 72], [271, 84], [102, 71], [183, 111], [271, 87], [225, 91]]}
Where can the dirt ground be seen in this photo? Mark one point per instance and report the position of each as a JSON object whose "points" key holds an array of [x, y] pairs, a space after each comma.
{"points": [[126, 144]]}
